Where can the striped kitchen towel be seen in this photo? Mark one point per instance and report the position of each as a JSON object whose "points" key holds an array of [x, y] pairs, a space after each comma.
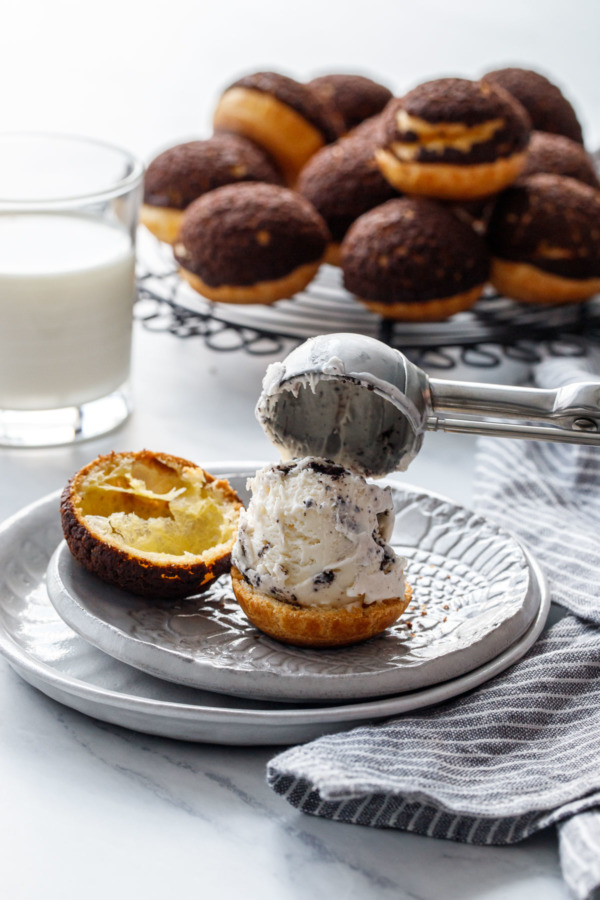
{"points": [[521, 753]]}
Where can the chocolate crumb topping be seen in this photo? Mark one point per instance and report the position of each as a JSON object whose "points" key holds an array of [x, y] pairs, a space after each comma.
{"points": [[548, 108], [248, 233], [454, 100], [551, 222], [556, 154], [297, 96], [412, 250], [181, 174], [343, 181], [354, 96], [459, 101]]}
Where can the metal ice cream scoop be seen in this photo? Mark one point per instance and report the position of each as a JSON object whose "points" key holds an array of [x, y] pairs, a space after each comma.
{"points": [[356, 400]]}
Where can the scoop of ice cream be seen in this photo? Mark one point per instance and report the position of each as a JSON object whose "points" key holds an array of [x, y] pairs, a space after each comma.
{"points": [[316, 534]]}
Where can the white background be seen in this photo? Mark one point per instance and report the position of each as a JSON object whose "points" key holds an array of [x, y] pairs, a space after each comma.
{"points": [[145, 74]]}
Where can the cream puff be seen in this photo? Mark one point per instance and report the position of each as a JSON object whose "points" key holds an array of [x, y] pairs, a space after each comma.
{"points": [[181, 174], [453, 139], [412, 259], [250, 243], [285, 117], [355, 97], [556, 154], [343, 181], [544, 239]]}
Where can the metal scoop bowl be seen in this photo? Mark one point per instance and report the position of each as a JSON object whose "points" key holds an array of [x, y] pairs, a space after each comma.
{"points": [[357, 401]]}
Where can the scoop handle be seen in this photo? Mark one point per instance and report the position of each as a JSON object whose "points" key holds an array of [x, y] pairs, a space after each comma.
{"points": [[570, 413]]}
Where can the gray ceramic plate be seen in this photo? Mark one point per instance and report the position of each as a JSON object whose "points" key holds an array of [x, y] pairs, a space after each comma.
{"points": [[472, 599], [49, 655]]}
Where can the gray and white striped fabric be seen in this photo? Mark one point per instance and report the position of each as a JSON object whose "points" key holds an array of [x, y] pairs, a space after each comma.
{"points": [[521, 753]]}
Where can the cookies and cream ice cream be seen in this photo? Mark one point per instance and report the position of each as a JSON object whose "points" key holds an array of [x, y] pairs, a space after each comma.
{"points": [[349, 398], [315, 534]]}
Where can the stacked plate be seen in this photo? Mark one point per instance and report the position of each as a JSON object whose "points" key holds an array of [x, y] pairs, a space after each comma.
{"points": [[197, 670]]}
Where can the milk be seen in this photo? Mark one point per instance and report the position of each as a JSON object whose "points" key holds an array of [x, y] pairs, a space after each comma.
{"points": [[66, 298]]}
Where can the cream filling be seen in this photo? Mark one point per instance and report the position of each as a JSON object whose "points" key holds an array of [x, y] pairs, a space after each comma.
{"points": [[551, 251], [436, 137]]}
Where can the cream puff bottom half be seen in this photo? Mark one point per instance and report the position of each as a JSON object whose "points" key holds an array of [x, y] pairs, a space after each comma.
{"points": [[527, 283], [316, 627], [277, 128], [333, 253], [163, 221], [427, 310], [262, 292], [450, 182]]}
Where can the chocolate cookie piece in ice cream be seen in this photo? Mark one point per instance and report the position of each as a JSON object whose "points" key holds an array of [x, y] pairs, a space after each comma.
{"points": [[312, 565], [355, 97]]}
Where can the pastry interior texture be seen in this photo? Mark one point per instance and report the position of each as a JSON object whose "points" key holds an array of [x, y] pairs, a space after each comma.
{"points": [[414, 260], [343, 181], [453, 139], [181, 174], [285, 117], [548, 109], [150, 523], [544, 238], [555, 154], [312, 565], [251, 243], [355, 97]]}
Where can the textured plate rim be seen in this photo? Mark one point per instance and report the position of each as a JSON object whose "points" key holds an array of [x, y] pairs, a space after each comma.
{"points": [[27, 665], [268, 684]]}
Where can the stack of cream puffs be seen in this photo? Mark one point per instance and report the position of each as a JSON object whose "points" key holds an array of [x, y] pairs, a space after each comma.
{"points": [[421, 199]]}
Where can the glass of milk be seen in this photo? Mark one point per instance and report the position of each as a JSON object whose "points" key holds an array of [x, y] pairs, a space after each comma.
{"points": [[68, 216]]}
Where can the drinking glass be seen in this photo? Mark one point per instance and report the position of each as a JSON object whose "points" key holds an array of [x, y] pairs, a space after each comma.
{"points": [[68, 215]]}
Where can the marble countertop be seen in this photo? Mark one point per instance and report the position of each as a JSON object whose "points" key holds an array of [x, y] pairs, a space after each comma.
{"points": [[91, 807]]}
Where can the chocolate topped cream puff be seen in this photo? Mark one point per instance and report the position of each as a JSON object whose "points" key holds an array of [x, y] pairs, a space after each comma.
{"points": [[453, 139], [355, 97], [544, 238], [343, 181], [250, 243], [556, 154], [181, 174], [411, 259], [286, 118], [549, 110]]}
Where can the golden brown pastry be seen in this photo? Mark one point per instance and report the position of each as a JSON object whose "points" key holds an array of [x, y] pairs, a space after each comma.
{"points": [[544, 239], [310, 627], [280, 114], [453, 139], [555, 154], [150, 523]]}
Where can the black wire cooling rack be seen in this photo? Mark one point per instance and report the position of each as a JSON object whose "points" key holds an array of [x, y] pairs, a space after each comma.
{"points": [[494, 330]]}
